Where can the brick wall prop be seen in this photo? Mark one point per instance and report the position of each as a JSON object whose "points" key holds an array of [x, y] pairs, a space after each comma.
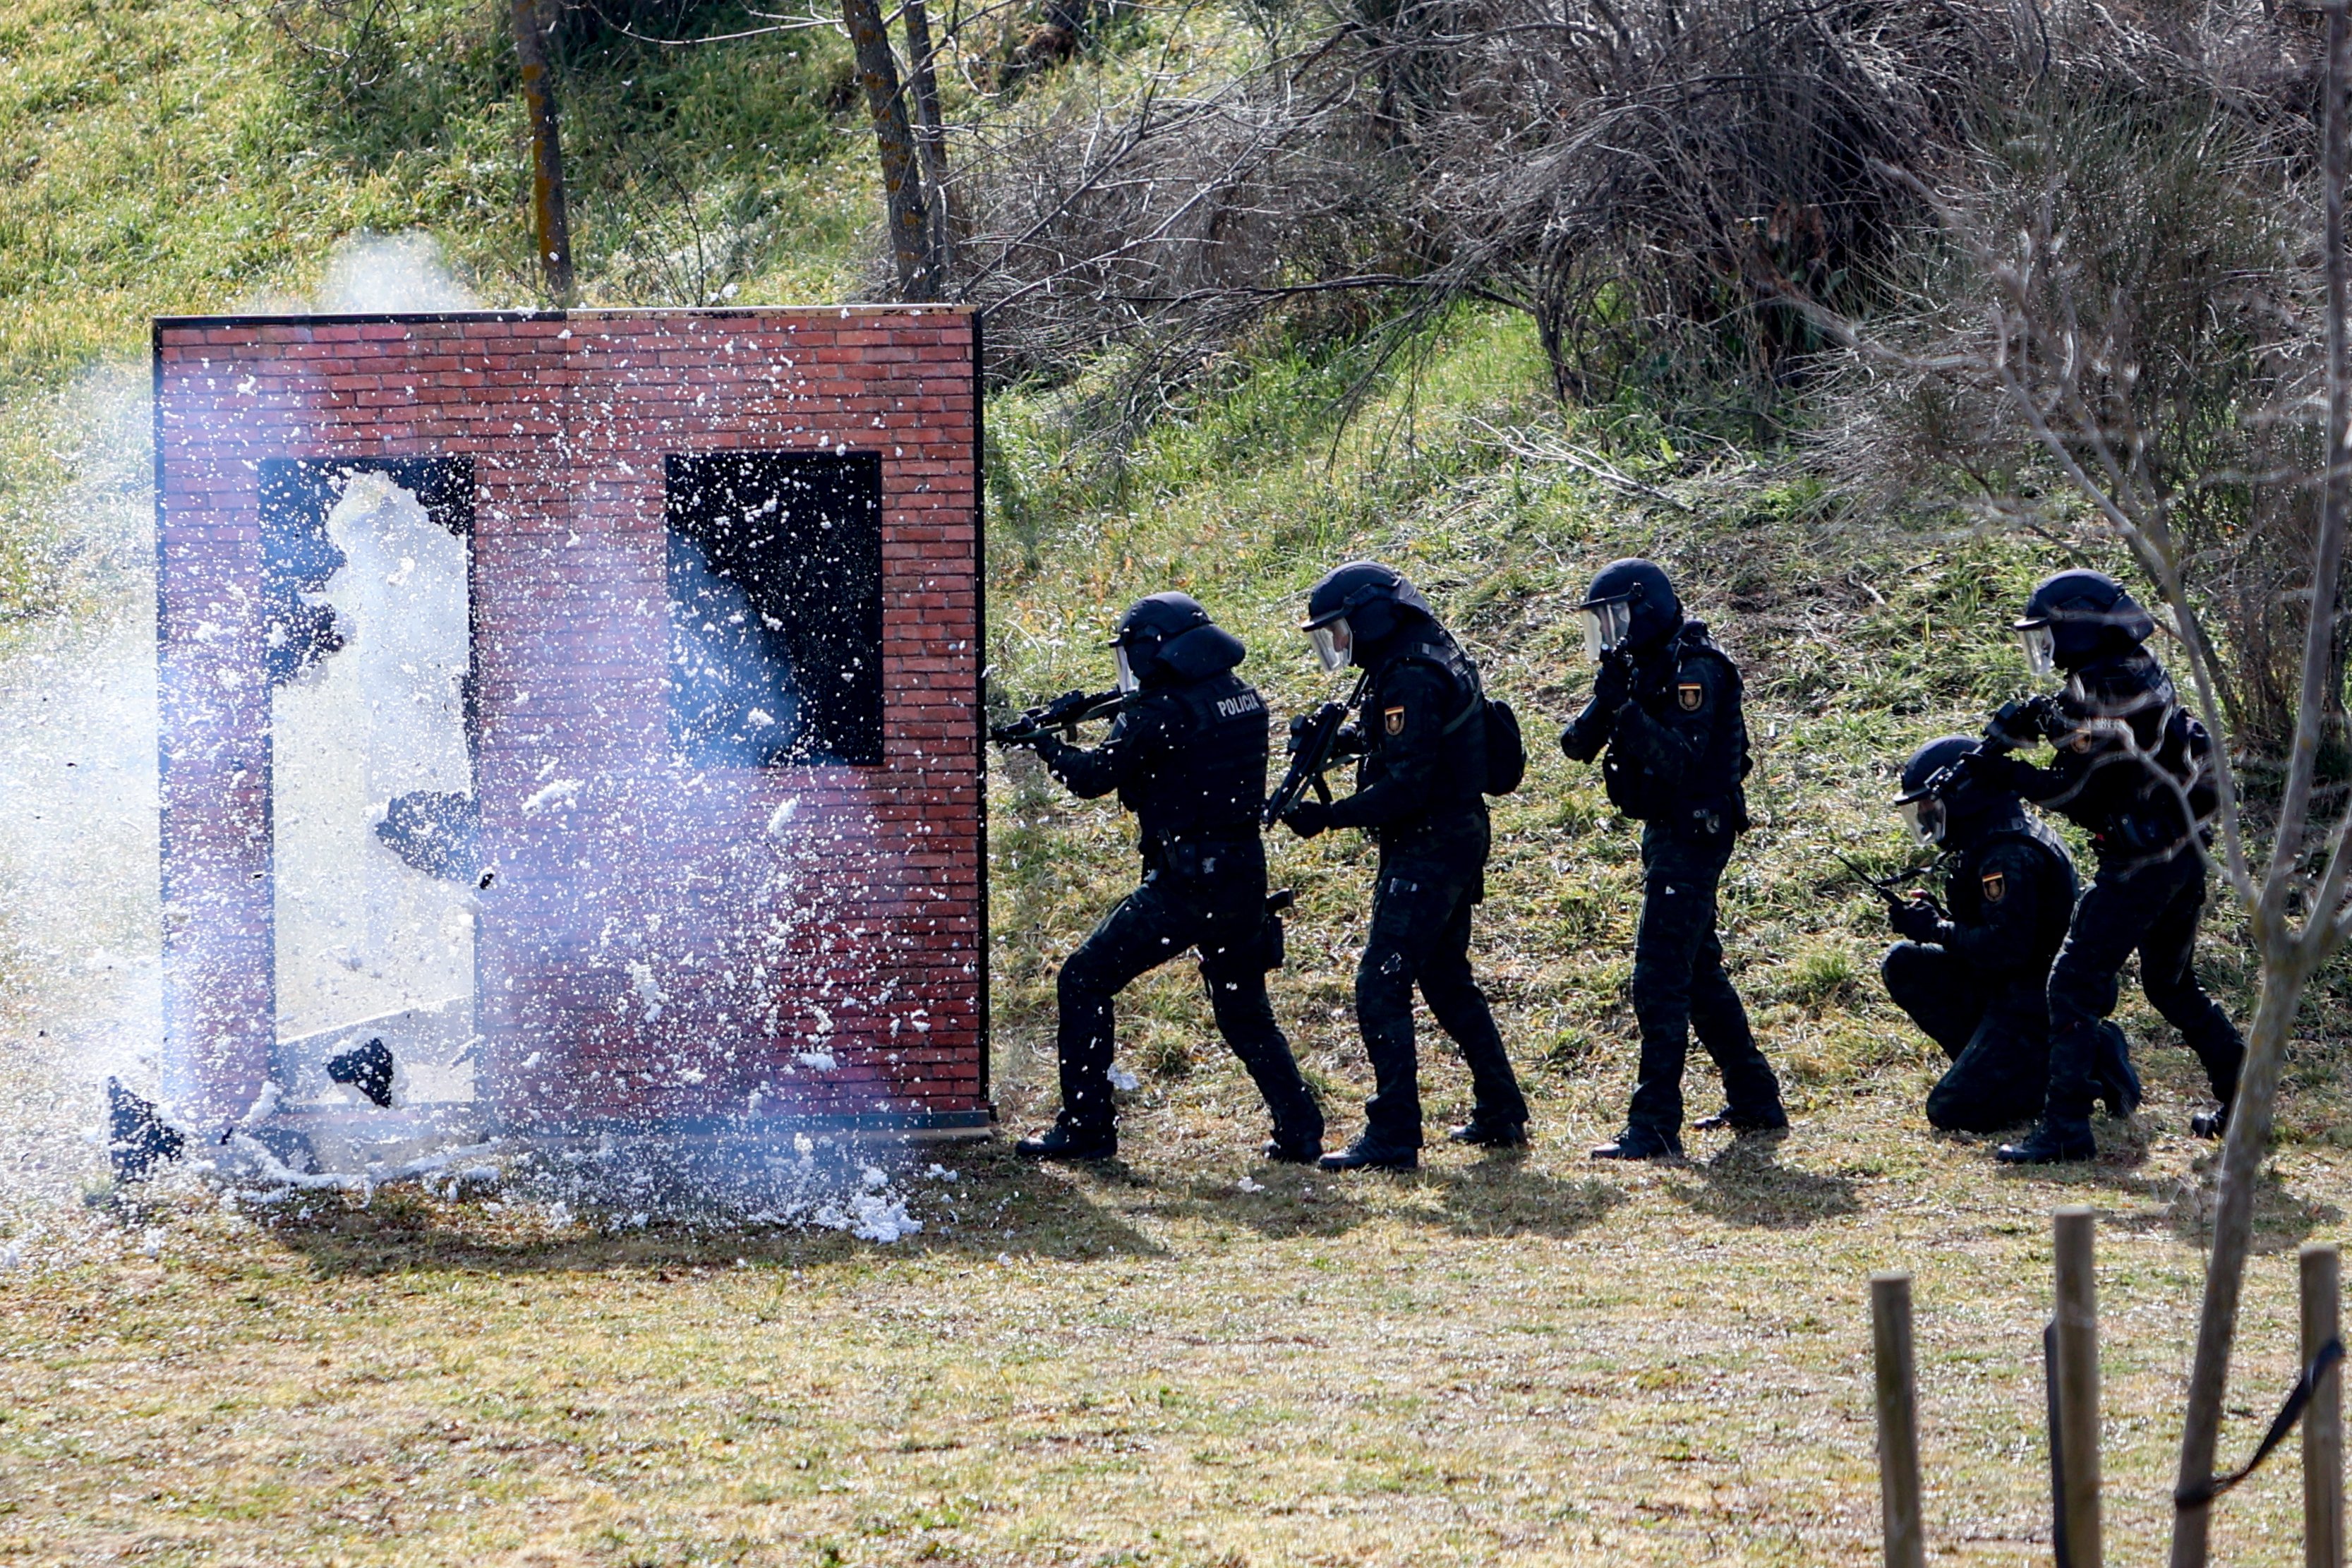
{"points": [[667, 937]]}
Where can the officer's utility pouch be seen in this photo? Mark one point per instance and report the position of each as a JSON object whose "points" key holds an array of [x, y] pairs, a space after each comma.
{"points": [[1507, 753], [1270, 953], [1631, 789]]}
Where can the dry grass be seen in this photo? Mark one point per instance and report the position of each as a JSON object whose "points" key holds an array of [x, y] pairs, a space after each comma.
{"points": [[1534, 1359]]}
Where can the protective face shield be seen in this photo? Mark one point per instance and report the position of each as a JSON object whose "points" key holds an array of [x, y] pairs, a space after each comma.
{"points": [[1606, 626], [1333, 643], [1925, 816], [2041, 645], [1127, 676]]}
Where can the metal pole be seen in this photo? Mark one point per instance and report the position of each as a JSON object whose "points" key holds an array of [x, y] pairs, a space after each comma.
{"points": [[2078, 1385], [1899, 1420], [2323, 1419]]}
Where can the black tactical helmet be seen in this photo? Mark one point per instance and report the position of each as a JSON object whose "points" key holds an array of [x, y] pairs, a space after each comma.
{"points": [[2077, 616], [1632, 605], [1169, 637], [1930, 812], [1361, 602]]}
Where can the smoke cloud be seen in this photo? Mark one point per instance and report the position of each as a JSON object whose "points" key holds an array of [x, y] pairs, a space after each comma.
{"points": [[81, 932]]}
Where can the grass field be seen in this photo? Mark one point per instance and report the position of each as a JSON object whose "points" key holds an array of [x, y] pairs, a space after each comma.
{"points": [[1185, 1358]]}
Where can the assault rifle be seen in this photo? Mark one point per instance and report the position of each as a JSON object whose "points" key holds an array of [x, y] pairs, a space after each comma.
{"points": [[1064, 713], [2020, 722], [1320, 741], [1887, 886]]}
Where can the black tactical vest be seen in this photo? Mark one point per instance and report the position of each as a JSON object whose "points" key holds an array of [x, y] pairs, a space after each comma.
{"points": [[2135, 744], [1712, 786], [1965, 890], [1460, 780], [1208, 778]]}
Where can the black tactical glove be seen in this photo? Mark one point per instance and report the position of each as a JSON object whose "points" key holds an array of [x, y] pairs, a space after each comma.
{"points": [[2020, 723], [1915, 919], [1612, 684], [1307, 818], [1048, 744]]}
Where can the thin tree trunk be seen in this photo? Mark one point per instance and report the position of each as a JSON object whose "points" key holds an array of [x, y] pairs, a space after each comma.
{"points": [[902, 187], [2225, 1270], [931, 141], [2288, 956], [550, 224]]}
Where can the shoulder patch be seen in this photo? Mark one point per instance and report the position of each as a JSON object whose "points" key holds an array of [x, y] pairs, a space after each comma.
{"points": [[1690, 694], [1392, 720], [1996, 887]]}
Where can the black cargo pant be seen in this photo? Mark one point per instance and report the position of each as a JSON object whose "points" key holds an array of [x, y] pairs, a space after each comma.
{"points": [[1997, 1034], [1421, 936], [1222, 915], [1679, 984], [2154, 911]]}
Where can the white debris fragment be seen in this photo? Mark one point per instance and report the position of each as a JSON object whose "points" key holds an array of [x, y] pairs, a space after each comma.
{"points": [[1123, 1080], [1247, 1185], [649, 989], [822, 1061], [562, 792]]}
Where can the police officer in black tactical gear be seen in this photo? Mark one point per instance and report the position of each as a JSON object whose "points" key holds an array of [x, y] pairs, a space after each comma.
{"points": [[2132, 767], [1187, 755], [1975, 976], [1664, 717], [1420, 793]]}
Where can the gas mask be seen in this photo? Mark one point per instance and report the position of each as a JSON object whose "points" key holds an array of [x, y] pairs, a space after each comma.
{"points": [[1606, 625], [1333, 643], [2041, 645], [1925, 816]]}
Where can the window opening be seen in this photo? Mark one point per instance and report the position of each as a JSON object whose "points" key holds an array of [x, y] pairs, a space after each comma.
{"points": [[775, 592]]}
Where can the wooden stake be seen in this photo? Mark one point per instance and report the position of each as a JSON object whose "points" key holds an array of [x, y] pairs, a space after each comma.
{"points": [[2323, 1419], [550, 222], [1899, 1420], [2078, 1386]]}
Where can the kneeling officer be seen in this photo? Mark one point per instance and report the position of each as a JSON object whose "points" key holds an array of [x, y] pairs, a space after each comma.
{"points": [[1187, 755], [1974, 979]]}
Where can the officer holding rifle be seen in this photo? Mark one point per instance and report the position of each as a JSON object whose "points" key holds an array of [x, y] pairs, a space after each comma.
{"points": [[1424, 736], [2135, 768], [1187, 753], [1666, 723]]}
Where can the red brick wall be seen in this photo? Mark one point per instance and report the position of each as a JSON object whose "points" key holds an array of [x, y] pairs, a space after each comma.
{"points": [[874, 952]]}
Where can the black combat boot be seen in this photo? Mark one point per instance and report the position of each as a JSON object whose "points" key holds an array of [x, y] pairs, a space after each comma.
{"points": [[2114, 1080], [1373, 1153], [2052, 1143], [1288, 1148], [2210, 1124], [1067, 1140], [1482, 1133], [1640, 1143]]}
